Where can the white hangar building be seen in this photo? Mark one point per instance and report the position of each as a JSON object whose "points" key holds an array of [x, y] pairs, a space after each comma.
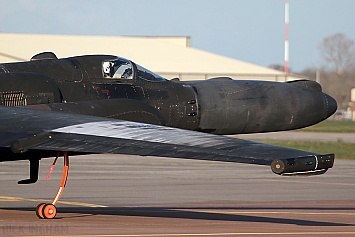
{"points": [[171, 57]]}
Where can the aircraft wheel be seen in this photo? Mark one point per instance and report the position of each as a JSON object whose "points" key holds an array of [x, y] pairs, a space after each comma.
{"points": [[49, 211], [39, 209]]}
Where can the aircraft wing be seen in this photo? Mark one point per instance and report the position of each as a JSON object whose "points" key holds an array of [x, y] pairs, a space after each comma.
{"points": [[23, 129]]}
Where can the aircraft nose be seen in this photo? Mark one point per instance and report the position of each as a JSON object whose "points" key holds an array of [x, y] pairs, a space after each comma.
{"points": [[331, 105]]}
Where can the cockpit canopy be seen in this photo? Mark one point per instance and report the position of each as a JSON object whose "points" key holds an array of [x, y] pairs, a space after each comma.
{"points": [[122, 68]]}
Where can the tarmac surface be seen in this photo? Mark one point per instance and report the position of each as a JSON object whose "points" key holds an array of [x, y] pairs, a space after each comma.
{"points": [[119, 195], [304, 136]]}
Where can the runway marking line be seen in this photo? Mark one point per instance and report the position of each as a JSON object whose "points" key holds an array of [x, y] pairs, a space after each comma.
{"points": [[19, 199], [213, 234]]}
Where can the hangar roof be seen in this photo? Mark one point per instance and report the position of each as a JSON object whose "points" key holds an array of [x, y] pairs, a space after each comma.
{"points": [[168, 56]]}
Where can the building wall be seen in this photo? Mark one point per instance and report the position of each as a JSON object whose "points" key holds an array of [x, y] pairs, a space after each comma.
{"points": [[170, 57]]}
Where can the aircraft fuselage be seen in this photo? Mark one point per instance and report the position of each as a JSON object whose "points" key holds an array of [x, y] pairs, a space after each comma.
{"points": [[219, 105]]}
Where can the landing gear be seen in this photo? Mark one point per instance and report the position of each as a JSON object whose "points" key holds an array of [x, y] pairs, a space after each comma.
{"points": [[48, 211]]}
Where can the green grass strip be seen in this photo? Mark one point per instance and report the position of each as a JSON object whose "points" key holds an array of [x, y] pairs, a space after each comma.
{"points": [[331, 126], [341, 150]]}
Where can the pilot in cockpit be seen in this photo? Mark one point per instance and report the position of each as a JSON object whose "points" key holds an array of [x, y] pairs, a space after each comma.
{"points": [[108, 69]]}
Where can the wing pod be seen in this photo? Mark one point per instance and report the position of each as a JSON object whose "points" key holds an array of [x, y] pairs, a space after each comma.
{"points": [[310, 165]]}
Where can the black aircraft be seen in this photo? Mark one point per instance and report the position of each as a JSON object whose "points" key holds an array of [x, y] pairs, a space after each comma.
{"points": [[107, 104]]}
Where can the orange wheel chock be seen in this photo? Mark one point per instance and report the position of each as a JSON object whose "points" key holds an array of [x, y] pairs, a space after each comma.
{"points": [[49, 211]]}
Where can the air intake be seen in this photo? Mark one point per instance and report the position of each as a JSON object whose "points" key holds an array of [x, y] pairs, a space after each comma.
{"points": [[13, 99]]}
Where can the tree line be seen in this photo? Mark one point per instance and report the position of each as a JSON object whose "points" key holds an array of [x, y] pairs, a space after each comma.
{"points": [[337, 73]]}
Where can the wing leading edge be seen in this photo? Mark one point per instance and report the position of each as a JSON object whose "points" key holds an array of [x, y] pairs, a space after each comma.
{"points": [[25, 129]]}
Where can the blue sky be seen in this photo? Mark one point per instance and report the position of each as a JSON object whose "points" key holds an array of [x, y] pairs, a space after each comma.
{"points": [[248, 30]]}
